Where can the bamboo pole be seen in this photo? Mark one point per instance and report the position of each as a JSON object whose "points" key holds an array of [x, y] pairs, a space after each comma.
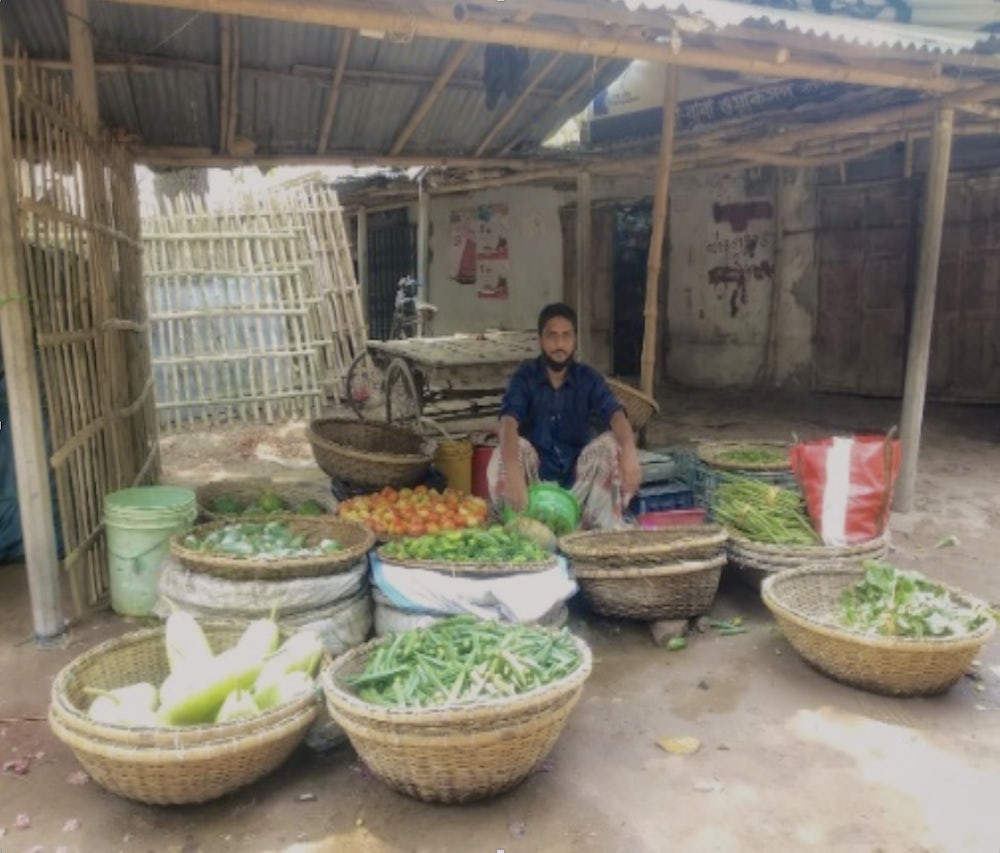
{"points": [[333, 96], [660, 199], [423, 236], [225, 61], [458, 55], [915, 386], [233, 119], [584, 260], [31, 468], [419, 24]]}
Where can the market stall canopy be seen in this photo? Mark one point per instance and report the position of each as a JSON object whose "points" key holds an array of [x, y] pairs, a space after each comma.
{"points": [[238, 81]]}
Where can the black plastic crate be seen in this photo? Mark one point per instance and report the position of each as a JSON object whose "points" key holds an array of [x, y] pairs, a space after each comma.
{"points": [[661, 497]]}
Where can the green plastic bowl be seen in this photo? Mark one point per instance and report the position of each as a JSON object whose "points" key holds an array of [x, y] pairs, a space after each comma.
{"points": [[554, 499]]}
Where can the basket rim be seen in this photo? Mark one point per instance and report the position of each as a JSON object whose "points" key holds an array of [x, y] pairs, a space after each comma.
{"points": [[428, 444], [656, 570], [165, 737], [770, 596], [252, 567], [467, 567], [662, 539], [481, 711], [707, 452]]}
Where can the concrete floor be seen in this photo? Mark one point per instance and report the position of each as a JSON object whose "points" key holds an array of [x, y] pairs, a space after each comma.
{"points": [[789, 759]]}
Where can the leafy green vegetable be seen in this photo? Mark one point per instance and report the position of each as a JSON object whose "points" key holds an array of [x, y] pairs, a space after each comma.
{"points": [[898, 603]]}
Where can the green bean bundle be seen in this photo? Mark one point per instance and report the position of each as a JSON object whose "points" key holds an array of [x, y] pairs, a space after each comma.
{"points": [[763, 512], [461, 660]]}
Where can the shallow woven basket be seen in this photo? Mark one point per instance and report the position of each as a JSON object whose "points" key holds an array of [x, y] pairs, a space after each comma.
{"points": [[458, 753], [246, 490], [756, 561], [639, 407], [355, 539], [713, 453], [806, 604], [624, 548], [469, 568], [370, 454], [161, 765], [670, 591]]}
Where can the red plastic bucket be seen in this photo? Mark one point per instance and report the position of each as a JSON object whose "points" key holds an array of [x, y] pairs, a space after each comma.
{"points": [[483, 444]]}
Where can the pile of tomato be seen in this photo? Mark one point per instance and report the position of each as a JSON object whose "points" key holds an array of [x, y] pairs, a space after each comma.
{"points": [[416, 511]]}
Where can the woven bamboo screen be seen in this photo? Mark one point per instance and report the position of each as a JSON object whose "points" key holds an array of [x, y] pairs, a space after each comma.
{"points": [[231, 297], [79, 214], [339, 316]]}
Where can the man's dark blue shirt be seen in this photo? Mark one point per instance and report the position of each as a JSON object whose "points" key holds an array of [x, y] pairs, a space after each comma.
{"points": [[558, 422]]}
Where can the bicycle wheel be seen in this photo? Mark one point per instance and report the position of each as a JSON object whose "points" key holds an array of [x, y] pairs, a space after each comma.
{"points": [[402, 400]]}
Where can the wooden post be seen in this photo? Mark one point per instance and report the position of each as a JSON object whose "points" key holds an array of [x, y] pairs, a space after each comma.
{"points": [[915, 387], [81, 52], [659, 228], [34, 495], [363, 261], [423, 234], [584, 256]]}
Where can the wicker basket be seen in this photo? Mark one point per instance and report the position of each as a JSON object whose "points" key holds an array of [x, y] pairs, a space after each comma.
{"points": [[639, 407], [614, 549], [247, 489], [677, 590], [355, 539], [756, 561], [806, 604], [167, 766], [370, 454], [453, 754]]}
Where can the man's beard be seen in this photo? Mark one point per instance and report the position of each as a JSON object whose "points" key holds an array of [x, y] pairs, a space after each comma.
{"points": [[557, 366]]}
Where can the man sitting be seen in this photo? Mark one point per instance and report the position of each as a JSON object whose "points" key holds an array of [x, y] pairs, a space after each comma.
{"points": [[546, 433]]}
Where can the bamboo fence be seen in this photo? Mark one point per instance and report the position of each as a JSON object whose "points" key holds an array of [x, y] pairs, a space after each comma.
{"points": [[79, 218]]}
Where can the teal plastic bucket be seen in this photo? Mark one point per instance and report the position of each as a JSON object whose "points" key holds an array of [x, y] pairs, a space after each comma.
{"points": [[138, 524]]}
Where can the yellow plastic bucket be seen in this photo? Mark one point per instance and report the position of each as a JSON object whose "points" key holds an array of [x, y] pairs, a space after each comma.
{"points": [[454, 460], [138, 524]]}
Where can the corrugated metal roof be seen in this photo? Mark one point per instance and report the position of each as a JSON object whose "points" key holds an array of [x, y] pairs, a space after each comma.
{"points": [[943, 32]]}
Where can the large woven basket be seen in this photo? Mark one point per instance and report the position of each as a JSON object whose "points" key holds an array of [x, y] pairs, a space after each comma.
{"points": [[639, 407], [364, 453], [806, 604], [246, 490], [452, 754], [676, 590], [756, 561], [355, 539], [162, 765], [614, 549]]}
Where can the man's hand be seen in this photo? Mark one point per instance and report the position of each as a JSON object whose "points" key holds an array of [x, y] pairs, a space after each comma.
{"points": [[631, 473], [515, 490], [628, 458]]}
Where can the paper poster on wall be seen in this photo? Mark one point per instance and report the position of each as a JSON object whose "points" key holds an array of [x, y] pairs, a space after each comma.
{"points": [[479, 251]]}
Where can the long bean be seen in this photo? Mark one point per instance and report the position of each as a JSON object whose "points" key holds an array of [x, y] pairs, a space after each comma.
{"points": [[763, 512], [461, 660]]}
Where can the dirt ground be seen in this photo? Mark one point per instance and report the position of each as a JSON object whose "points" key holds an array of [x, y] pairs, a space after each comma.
{"points": [[789, 759]]}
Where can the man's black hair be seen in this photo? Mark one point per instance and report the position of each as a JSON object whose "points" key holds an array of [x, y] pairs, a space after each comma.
{"points": [[555, 309]]}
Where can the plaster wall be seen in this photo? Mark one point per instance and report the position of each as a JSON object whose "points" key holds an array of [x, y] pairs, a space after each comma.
{"points": [[721, 274], [534, 265]]}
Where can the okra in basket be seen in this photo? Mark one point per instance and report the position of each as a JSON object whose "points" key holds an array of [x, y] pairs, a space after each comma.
{"points": [[462, 660]]}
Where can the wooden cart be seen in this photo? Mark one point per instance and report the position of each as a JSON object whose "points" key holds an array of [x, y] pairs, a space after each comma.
{"points": [[445, 378]]}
